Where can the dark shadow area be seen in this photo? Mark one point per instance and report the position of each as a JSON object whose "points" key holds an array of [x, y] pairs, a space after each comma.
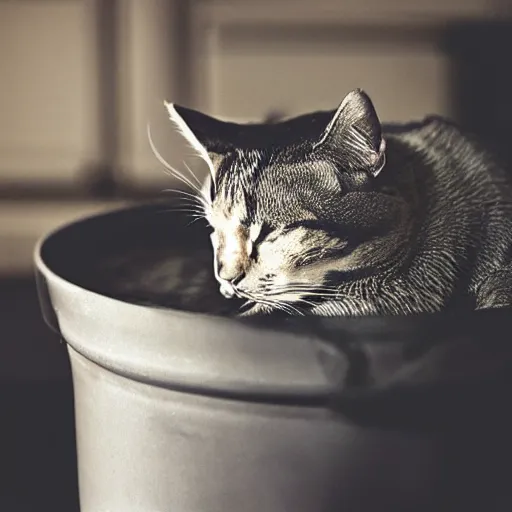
{"points": [[37, 447], [481, 81], [37, 438]]}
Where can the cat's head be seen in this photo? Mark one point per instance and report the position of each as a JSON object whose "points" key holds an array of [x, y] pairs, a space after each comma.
{"points": [[295, 206]]}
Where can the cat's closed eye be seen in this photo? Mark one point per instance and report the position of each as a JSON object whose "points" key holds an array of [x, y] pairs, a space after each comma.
{"points": [[308, 257], [316, 254]]}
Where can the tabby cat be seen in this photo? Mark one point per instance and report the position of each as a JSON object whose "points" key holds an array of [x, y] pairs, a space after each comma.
{"points": [[332, 213]]}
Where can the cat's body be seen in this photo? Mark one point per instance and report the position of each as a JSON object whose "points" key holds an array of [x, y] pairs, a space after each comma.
{"points": [[453, 248], [334, 214]]}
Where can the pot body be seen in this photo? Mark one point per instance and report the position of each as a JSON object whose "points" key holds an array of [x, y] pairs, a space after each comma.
{"points": [[146, 448]]}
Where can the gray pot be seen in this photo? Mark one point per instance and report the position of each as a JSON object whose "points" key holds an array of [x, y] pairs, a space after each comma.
{"points": [[183, 411]]}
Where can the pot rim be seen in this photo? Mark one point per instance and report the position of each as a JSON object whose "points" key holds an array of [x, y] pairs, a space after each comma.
{"points": [[238, 359]]}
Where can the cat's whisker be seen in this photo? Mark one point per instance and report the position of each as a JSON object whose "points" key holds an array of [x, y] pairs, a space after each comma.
{"points": [[191, 213], [186, 195], [173, 172], [260, 301], [310, 286], [290, 307], [274, 296], [191, 210], [301, 284], [177, 175], [182, 192], [201, 159], [313, 293], [266, 302], [192, 173], [292, 304], [316, 294], [323, 295], [186, 210], [279, 304], [188, 214], [184, 203], [194, 220], [305, 288]]}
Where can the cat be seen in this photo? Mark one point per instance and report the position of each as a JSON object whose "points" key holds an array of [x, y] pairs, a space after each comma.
{"points": [[335, 214]]}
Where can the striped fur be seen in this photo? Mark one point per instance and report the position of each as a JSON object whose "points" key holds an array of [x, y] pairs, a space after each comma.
{"points": [[332, 213]]}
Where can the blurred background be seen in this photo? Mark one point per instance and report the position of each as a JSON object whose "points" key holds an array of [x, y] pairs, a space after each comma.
{"points": [[80, 80]]}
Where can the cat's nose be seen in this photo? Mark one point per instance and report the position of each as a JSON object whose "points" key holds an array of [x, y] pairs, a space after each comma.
{"points": [[227, 290], [231, 273]]}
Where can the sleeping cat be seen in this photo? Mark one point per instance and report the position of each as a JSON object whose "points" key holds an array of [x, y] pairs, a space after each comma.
{"points": [[332, 213]]}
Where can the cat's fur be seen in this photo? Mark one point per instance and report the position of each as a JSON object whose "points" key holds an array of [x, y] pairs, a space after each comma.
{"points": [[332, 213]]}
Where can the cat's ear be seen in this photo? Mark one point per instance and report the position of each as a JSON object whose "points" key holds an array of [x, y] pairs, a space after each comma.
{"points": [[201, 131], [356, 133]]}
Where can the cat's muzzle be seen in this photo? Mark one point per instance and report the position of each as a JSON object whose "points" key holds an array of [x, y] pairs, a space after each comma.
{"points": [[227, 290]]}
